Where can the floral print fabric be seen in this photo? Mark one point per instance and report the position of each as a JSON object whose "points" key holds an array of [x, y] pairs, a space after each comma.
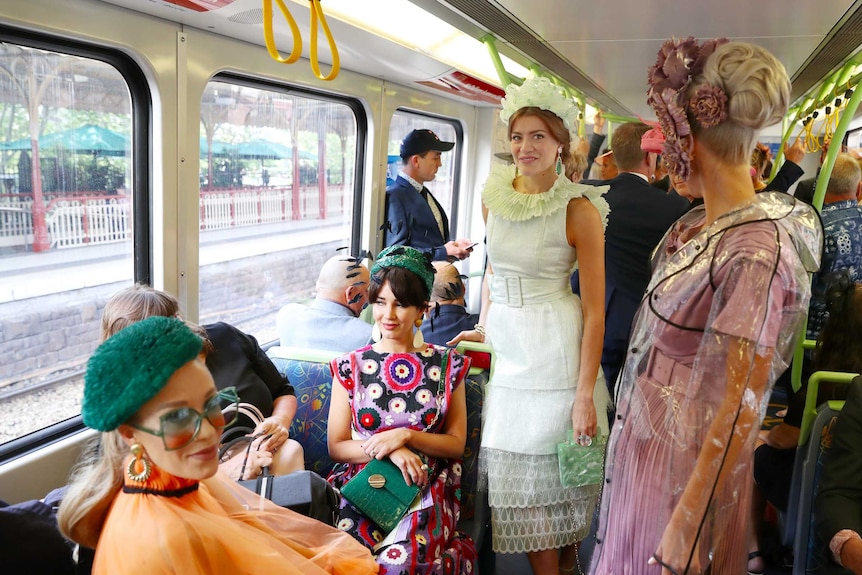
{"points": [[396, 390]]}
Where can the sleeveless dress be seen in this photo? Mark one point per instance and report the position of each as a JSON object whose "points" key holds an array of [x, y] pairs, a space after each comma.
{"points": [[389, 391], [722, 297], [535, 326]]}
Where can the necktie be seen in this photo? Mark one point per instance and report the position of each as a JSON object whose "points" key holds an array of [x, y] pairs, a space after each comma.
{"points": [[434, 210]]}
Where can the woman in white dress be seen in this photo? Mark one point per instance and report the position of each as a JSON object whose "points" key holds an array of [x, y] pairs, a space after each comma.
{"points": [[547, 342]]}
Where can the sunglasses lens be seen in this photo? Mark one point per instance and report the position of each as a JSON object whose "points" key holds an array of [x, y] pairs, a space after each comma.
{"points": [[178, 427], [215, 415]]}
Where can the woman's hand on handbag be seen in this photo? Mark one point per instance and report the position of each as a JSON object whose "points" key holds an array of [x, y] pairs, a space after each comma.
{"points": [[584, 420], [382, 444], [413, 469], [274, 428]]}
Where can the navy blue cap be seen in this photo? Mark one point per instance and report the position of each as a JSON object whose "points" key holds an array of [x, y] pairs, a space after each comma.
{"points": [[420, 141]]}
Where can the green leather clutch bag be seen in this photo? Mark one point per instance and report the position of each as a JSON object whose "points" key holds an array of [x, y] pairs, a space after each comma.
{"points": [[582, 465], [380, 493]]}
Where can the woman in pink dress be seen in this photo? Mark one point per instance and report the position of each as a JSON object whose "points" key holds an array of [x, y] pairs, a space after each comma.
{"points": [[715, 328]]}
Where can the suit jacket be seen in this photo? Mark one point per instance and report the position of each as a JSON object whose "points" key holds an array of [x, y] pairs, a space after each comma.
{"points": [[640, 216], [453, 319], [786, 176], [323, 324], [410, 221], [805, 189], [839, 502]]}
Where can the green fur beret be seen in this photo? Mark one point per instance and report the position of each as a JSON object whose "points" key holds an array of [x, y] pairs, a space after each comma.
{"points": [[409, 259], [132, 366]]}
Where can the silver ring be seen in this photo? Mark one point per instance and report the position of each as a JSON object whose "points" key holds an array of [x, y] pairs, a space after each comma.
{"points": [[424, 467], [585, 440], [372, 453]]}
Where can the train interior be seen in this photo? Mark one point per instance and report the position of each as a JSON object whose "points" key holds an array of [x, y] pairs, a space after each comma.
{"points": [[377, 67]]}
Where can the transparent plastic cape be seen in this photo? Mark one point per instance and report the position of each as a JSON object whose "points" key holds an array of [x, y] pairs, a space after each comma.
{"points": [[218, 528], [716, 328]]}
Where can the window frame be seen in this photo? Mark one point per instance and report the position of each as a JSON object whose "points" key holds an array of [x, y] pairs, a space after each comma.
{"points": [[359, 114], [141, 183]]}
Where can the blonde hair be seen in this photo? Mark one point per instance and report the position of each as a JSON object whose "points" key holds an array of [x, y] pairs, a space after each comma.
{"points": [[758, 92], [133, 304], [578, 166], [845, 177], [138, 302], [96, 480], [555, 126]]}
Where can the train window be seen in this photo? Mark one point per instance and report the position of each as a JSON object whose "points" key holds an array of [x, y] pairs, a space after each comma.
{"points": [[445, 184], [68, 184], [277, 194]]}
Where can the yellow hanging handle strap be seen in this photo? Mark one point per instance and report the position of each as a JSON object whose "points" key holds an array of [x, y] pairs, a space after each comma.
{"points": [[270, 38], [317, 12]]}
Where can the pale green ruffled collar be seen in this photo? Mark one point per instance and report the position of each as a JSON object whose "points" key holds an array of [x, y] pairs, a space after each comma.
{"points": [[502, 200]]}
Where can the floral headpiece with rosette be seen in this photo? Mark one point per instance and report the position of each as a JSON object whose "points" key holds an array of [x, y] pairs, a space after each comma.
{"points": [[539, 92], [678, 62]]}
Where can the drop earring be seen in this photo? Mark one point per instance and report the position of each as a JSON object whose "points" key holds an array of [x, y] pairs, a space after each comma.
{"points": [[375, 333], [558, 167], [418, 337], [139, 468]]}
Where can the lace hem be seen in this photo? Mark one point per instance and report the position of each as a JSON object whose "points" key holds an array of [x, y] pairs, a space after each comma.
{"points": [[502, 200], [524, 530], [523, 481]]}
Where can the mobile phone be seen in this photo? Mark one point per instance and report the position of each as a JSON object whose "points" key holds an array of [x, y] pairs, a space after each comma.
{"points": [[472, 246]]}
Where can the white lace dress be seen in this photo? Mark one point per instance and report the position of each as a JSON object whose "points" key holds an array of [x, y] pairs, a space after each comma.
{"points": [[535, 326]]}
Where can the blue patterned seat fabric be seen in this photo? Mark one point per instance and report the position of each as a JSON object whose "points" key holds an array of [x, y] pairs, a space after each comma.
{"points": [[475, 395], [313, 384]]}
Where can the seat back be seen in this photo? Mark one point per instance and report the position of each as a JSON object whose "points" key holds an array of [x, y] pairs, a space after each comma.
{"points": [[810, 412], [809, 552], [308, 372]]}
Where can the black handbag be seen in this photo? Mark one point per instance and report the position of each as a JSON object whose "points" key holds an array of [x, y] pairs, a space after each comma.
{"points": [[302, 491]]}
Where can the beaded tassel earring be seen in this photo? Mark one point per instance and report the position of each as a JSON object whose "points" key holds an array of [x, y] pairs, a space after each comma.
{"points": [[139, 468], [418, 338]]}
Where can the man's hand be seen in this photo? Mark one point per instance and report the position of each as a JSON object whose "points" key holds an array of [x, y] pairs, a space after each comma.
{"points": [[598, 123], [795, 153], [459, 249]]}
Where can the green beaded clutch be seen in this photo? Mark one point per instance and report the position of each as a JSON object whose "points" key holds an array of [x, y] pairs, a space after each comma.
{"points": [[582, 465], [380, 493]]}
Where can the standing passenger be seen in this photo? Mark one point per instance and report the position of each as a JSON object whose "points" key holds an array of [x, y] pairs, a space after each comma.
{"points": [[547, 346], [150, 500], [716, 327], [414, 217]]}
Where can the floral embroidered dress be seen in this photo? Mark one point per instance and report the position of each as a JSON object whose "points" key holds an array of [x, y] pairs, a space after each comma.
{"points": [[535, 326], [392, 390], [715, 329]]}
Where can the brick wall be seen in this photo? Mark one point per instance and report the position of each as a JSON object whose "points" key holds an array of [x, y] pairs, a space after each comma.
{"points": [[44, 335]]}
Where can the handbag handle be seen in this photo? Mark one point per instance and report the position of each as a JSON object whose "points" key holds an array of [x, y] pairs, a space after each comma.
{"points": [[441, 390]]}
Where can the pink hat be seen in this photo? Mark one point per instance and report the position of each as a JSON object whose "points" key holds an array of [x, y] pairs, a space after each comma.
{"points": [[652, 141]]}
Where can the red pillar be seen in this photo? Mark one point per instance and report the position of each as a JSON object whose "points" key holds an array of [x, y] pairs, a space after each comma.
{"points": [[41, 241]]}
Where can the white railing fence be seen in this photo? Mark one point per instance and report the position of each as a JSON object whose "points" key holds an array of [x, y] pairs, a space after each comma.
{"points": [[94, 220]]}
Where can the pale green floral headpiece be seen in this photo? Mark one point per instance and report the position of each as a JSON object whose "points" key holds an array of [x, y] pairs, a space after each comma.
{"points": [[539, 92]]}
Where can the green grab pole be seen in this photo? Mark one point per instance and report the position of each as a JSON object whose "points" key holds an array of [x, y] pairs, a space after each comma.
{"points": [[505, 77], [819, 193], [619, 119], [789, 122]]}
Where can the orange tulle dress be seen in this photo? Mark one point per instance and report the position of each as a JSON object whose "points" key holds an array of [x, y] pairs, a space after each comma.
{"points": [[180, 526]]}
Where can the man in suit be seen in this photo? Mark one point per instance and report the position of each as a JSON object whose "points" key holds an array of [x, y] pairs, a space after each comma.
{"points": [[640, 216], [331, 322], [414, 217], [447, 315]]}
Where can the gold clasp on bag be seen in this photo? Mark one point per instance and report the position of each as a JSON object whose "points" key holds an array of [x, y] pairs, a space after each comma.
{"points": [[376, 481]]}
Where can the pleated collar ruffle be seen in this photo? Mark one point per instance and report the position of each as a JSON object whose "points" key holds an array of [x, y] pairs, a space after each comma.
{"points": [[501, 198]]}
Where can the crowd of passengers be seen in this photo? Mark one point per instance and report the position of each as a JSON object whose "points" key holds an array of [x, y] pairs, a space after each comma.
{"points": [[654, 301]]}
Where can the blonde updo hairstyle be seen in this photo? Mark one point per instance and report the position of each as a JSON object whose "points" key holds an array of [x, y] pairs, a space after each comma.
{"points": [[758, 92], [555, 126]]}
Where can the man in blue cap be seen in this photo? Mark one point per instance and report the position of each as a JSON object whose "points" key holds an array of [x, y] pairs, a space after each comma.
{"points": [[414, 217]]}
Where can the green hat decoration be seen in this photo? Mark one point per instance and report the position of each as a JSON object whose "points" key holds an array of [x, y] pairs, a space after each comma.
{"points": [[408, 258], [131, 367]]}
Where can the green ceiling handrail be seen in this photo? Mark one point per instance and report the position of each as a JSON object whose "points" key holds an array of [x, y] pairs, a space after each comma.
{"points": [[819, 193], [505, 78]]}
